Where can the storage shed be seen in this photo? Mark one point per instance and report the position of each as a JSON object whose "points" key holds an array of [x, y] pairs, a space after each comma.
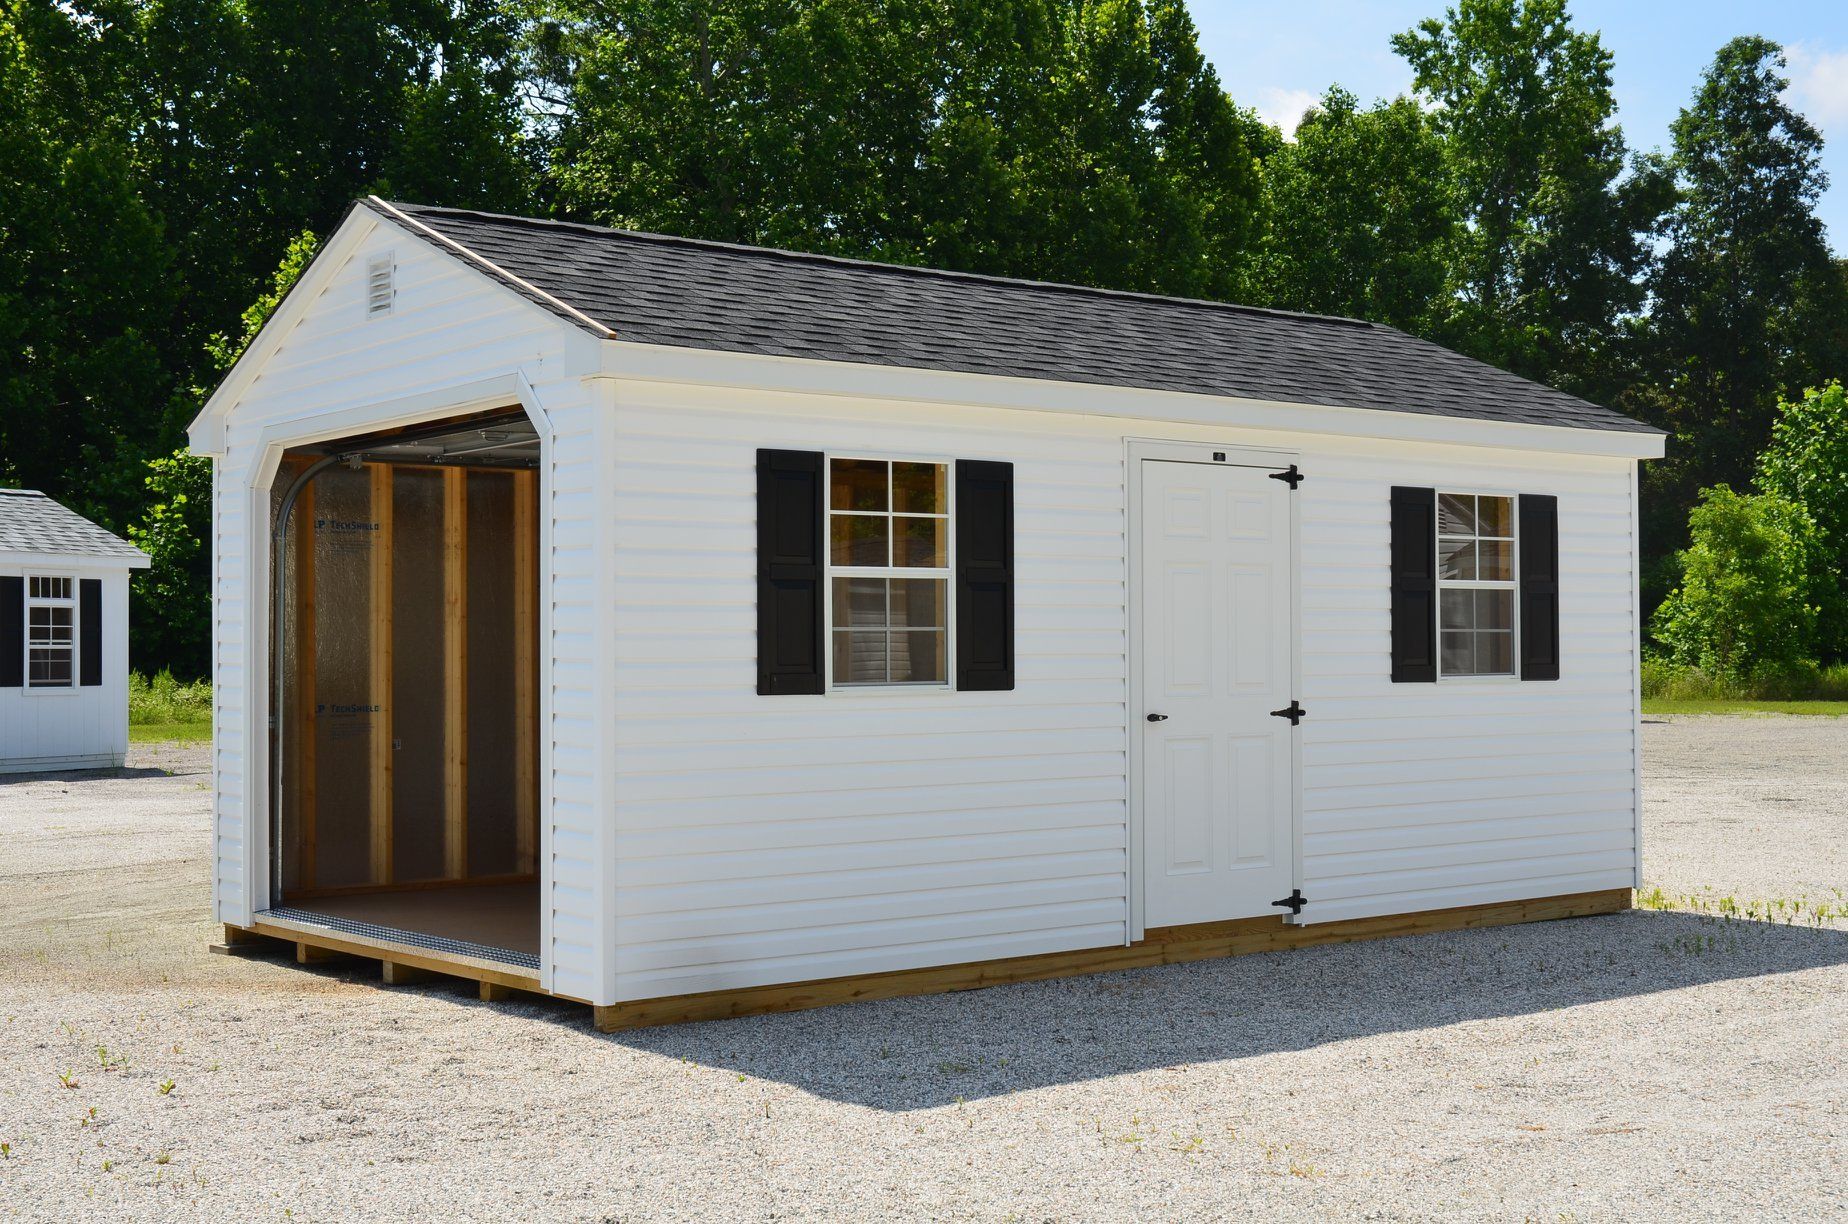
{"points": [[692, 630], [63, 637]]}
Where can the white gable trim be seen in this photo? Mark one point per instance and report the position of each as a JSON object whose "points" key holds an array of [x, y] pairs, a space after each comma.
{"points": [[449, 244], [206, 434], [806, 376]]}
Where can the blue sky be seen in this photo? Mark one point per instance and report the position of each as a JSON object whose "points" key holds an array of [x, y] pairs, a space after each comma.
{"points": [[1279, 58]]}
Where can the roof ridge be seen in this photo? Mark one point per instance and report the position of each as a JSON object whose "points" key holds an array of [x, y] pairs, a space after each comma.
{"points": [[22, 493], [918, 270]]}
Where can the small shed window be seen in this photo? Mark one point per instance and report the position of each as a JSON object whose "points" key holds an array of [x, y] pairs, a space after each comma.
{"points": [[51, 632], [1476, 584], [888, 571]]}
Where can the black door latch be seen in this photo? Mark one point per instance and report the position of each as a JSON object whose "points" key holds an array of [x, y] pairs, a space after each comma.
{"points": [[1294, 902], [1158, 718], [1294, 712], [1289, 476]]}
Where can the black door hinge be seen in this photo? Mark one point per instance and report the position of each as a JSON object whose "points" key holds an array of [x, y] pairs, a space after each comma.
{"points": [[1294, 902], [1289, 476], [1294, 712]]}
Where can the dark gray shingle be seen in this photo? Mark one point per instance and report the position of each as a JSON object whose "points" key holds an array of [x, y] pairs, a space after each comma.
{"points": [[673, 291], [30, 522]]}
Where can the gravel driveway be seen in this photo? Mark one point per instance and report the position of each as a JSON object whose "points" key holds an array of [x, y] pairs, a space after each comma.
{"points": [[1658, 1064]]}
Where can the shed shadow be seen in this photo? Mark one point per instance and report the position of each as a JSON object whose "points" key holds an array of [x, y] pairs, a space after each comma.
{"points": [[101, 773], [920, 1053]]}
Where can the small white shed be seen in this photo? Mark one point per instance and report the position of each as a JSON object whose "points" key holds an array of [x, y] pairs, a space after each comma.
{"points": [[63, 637], [692, 630]]}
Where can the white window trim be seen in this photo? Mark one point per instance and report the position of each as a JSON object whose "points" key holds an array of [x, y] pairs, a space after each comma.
{"points": [[830, 571], [75, 604], [1442, 584]]}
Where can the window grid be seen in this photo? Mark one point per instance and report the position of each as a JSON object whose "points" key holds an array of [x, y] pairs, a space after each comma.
{"points": [[1476, 585], [51, 632], [888, 572]]}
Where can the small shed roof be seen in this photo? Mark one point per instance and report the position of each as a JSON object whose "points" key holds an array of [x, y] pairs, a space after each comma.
{"points": [[653, 289], [30, 522]]}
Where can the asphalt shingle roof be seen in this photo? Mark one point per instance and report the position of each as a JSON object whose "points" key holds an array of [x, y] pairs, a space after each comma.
{"points": [[674, 291], [30, 522]]}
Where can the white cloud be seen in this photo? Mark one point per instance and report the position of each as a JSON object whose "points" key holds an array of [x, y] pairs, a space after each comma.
{"points": [[1819, 84], [1285, 108]]}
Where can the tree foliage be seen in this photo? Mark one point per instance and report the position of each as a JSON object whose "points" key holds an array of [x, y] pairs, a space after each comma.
{"points": [[170, 615], [1557, 220], [1360, 223], [1078, 142], [1807, 463], [1747, 302], [1745, 605]]}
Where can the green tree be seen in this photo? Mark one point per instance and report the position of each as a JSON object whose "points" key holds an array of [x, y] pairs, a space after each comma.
{"points": [[1089, 143], [1807, 463], [1745, 604], [85, 292], [1555, 232], [1747, 303], [1359, 220], [170, 620]]}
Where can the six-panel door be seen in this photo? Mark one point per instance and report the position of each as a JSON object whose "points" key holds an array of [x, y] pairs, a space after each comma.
{"points": [[1216, 626]]}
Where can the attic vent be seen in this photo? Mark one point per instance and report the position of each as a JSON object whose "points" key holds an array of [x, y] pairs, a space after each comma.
{"points": [[380, 285]]}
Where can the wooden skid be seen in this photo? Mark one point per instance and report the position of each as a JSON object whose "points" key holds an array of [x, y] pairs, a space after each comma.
{"points": [[1164, 946], [404, 959]]}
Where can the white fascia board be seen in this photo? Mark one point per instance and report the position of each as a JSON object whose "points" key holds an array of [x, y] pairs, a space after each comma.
{"points": [[206, 434], [87, 562], [806, 376]]}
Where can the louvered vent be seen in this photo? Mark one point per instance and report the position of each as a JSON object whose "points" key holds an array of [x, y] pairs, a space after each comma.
{"points": [[380, 285]]}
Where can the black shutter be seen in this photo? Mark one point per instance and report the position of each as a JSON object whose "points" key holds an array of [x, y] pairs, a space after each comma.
{"points": [[789, 572], [984, 575], [1538, 542], [1414, 585], [90, 632], [12, 632]]}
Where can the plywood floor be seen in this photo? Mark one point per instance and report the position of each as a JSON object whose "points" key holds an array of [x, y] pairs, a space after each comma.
{"points": [[492, 915]]}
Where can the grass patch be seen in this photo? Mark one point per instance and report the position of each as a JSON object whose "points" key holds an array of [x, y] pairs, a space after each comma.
{"points": [[162, 699], [170, 732], [1801, 684], [1786, 911], [1723, 705]]}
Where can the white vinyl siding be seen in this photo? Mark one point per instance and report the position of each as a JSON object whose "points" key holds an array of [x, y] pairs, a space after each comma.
{"points": [[775, 839]]}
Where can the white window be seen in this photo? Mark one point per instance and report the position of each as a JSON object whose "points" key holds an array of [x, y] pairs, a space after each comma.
{"points": [[51, 632], [1475, 584], [888, 571]]}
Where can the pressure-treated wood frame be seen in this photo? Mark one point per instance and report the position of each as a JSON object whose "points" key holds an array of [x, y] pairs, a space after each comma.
{"points": [[526, 668], [1161, 946], [526, 530]]}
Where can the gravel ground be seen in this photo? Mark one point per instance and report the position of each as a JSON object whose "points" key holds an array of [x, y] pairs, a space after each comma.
{"points": [[1660, 1064]]}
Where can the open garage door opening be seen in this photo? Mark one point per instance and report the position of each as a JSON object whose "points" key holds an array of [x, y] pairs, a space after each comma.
{"points": [[405, 796]]}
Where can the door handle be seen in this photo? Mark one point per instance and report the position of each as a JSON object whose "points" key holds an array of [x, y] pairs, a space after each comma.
{"points": [[1158, 718]]}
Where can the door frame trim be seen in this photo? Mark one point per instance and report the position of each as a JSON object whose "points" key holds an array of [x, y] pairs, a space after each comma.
{"points": [[1137, 451]]}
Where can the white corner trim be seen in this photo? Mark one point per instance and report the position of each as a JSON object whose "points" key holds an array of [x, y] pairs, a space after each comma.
{"points": [[808, 376], [450, 244]]}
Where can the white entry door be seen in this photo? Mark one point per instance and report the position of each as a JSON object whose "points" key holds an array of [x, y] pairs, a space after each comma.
{"points": [[1217, 782]]}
